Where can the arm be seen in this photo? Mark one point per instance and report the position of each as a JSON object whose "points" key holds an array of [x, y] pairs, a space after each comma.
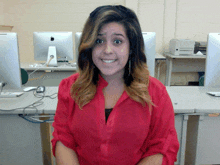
{"points": [[162, 137], [152, 160], [65, 155], [63, 143]]}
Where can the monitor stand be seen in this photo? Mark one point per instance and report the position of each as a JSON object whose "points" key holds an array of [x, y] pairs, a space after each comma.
{"points": [[52, 56], [8, 94], [216, 94]]}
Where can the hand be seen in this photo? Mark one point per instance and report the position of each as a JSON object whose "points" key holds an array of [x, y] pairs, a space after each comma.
{"points": [[152, 160]]}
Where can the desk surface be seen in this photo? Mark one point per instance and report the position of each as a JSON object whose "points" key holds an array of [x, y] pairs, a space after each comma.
{"points": [[185, 100], [39, 66], [194, 56], [195, 98], [160, 57], [62, 66], [17, 105]]}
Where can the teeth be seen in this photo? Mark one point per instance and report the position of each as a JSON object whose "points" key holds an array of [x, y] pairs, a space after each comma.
{"points": [[108, 61]]}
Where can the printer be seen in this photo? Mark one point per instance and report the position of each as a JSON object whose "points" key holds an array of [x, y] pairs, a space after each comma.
{"points": [[181, 47], [200, 46]]}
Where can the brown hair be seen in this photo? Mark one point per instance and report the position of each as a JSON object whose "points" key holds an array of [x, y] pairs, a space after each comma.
{"points": [[136, 75]]}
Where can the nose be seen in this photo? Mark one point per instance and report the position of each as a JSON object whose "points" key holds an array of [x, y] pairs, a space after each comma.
{"points": [[108, 48]]}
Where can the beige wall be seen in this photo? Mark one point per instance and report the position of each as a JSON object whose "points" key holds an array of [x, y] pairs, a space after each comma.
{"points": [[1, 13], [28, 16], [168, 18]]}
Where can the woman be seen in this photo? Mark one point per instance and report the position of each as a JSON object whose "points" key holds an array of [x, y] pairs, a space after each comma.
{"points": [[112, 112]]}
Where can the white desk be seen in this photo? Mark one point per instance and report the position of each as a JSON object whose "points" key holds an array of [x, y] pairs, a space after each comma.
{"points": [[204, 143], [47, 76], [183, 63], [29, 66], [49, 107], [203, 133], [53, 75], [158, 60], [20, 140], [187, 102]]}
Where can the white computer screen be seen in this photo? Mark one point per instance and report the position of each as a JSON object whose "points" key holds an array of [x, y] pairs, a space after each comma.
{"points": [[150, 52], [10, 72], [212, 71], [62, 42]]}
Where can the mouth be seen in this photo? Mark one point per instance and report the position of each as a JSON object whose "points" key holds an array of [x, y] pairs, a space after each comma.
{"points": [[109, 61]]}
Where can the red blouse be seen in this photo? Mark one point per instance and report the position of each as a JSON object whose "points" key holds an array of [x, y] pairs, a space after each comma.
{"points": [[130, 134]]}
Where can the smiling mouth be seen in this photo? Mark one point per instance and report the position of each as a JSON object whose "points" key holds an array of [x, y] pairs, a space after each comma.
{"points": [[108, 61]]}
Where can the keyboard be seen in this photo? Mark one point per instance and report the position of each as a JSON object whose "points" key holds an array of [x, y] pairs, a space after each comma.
{"points": [[10, 94]]}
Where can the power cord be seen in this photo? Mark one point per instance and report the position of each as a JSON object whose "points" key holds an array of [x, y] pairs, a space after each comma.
{"points": [[47, 64], [2, 84], [35, 119], [42, 95], [34, 105], [36, 69]]}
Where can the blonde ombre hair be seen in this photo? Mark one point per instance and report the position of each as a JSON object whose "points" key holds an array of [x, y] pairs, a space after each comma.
{"points": [[136, 76]]}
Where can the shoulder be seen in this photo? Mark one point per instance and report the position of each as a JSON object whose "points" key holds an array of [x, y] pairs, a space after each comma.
{"points": [[157, 89], [155, 84], [65, 84], [69, 80]]}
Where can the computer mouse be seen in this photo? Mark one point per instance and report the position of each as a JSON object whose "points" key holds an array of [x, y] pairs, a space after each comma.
{"points": [[40, 89]]}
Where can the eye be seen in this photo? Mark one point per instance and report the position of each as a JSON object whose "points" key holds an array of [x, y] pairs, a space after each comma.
{"points": [[99, 41], [117, 41]]}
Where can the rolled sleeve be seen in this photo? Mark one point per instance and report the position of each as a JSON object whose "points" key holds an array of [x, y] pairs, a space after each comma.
{"points": [[62, 131], [162, 137]]}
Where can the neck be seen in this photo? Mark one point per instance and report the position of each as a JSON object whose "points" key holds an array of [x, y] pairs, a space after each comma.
{"points": [[114, 79]]}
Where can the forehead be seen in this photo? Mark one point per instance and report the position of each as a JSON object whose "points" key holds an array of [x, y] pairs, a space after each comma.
{"points": [[113, 27]]}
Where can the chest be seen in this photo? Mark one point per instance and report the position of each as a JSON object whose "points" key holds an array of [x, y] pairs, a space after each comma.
{"points": [[112, 95], [128, 120]]}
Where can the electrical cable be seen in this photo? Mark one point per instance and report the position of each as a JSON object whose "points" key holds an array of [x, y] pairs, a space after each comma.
{"points": [[37, 77], [32, 119], [2, 84], [36, 70], [35, 104], [47, 64]]}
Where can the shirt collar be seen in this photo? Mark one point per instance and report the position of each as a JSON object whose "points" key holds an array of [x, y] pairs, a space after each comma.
{"points": [[102, 83]]}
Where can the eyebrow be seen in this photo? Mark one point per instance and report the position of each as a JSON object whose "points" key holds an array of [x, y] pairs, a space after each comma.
{"points": [[117, 34]]}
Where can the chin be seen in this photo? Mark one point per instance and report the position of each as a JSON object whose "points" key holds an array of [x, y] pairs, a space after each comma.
{"points": [[112, 72]]}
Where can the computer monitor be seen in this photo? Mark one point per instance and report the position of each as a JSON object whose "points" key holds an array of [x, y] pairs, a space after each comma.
{"points": [[149, 46], [51, 46], [149, 49], [10, 73], [212, 71], [77, 42]]}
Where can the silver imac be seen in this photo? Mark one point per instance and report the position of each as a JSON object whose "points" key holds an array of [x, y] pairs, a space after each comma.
{"points": [[212, 71], [149, 47], [77, 42], [53, 47], [10, 73]]}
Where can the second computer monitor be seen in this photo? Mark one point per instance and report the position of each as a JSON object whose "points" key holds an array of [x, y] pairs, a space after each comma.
{"points": [[77, 42], [10, 73], [53, 46], [212, 71], [149, 48]]}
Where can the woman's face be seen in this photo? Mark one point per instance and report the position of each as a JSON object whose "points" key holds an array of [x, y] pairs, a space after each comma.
{"points": [[111, 51]]}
